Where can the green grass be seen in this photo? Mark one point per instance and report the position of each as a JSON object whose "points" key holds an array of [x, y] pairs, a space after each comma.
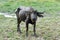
{"points": [[41, 5], [47, 29]]}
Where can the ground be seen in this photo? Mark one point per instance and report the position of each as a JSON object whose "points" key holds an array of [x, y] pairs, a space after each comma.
{"points": [[47, 28]]}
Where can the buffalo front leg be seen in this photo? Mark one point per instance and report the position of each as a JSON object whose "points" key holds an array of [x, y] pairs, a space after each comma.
{"points": [[34, 29], [18, 26]]}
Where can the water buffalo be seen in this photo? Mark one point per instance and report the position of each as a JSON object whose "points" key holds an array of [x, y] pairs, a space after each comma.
{"points": [[27, 15]]}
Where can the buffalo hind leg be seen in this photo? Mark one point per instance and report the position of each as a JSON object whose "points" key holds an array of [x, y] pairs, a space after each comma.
{"points": [[27, 26], [26, 29], [18, 26]]}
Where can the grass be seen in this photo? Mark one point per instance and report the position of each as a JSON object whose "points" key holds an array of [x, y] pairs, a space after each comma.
{"points": [[48, 28], [41, 5]]}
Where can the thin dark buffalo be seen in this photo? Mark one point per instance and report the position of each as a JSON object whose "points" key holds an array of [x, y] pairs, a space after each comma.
{"points": [[27, 15]]}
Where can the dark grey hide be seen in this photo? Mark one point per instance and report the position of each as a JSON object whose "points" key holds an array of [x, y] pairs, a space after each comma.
{"points": [[27, 15]]}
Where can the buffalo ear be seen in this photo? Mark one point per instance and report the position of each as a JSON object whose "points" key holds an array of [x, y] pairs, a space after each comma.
{"points": [[17, 10], [39, 14]]}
